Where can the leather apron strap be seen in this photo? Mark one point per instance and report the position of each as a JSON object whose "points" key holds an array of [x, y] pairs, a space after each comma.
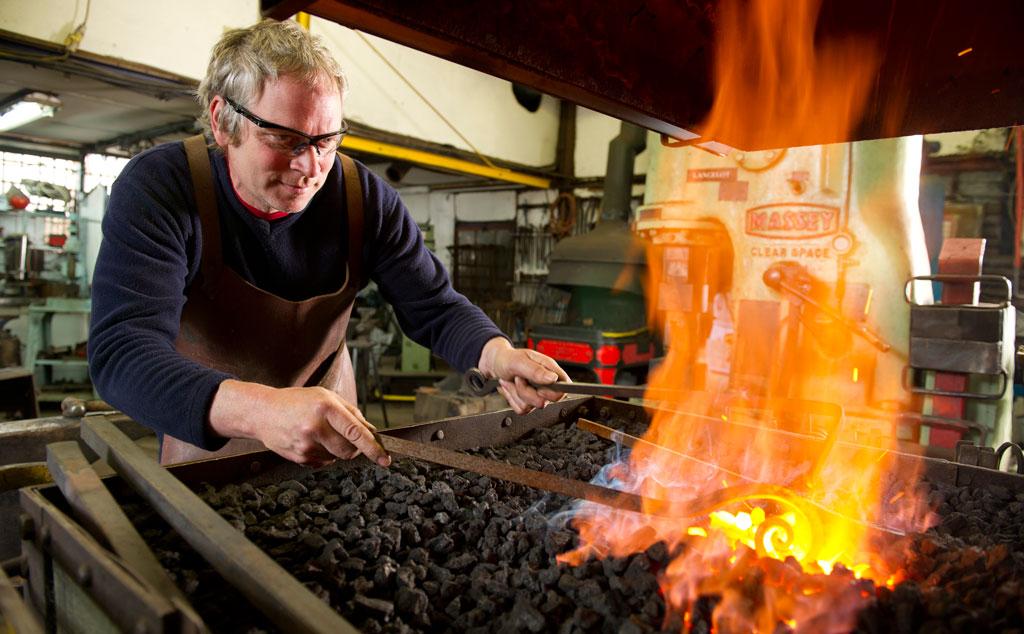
{"points": [[354, 202], [212, 261]]}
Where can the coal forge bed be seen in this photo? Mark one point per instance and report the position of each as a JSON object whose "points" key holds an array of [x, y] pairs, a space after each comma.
{"points": [[419, 547]]}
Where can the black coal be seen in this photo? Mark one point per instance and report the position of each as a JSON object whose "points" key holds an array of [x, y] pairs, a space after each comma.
{"points": [[418, 548]]}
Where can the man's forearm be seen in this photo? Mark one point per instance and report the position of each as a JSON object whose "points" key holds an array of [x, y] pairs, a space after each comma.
{"points": [[233, 406]]}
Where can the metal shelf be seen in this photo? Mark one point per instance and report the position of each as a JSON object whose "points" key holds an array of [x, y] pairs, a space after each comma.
{"points": [[49, 395], [40, 213], [40, 317], [62, 362]]}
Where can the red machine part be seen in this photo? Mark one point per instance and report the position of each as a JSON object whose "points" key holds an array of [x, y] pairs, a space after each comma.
{"points": [[959, 256], [609, 355], [571, 351], [605, 361]]}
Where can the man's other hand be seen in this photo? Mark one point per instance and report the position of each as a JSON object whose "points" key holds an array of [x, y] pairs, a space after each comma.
{"points": [[308, 425], [515, 369]]}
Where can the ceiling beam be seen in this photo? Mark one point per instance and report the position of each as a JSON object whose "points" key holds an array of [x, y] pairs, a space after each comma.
{"points": [[186, 126]]}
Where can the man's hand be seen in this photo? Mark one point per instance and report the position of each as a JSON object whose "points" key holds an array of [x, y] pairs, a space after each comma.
{"points": [[515, 369], [308, 425]]}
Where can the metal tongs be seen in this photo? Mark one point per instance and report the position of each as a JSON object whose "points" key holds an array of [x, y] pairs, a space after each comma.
{"points": [[478, 385]]}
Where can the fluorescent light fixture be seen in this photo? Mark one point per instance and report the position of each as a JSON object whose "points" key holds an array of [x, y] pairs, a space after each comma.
{"points": [[27, 106]]}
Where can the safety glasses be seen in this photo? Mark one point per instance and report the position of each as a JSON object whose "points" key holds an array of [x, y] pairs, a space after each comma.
{"points": [[290, 141]]}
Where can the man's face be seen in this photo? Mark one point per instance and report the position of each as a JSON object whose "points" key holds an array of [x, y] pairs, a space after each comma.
{"points": [[264, 170]]}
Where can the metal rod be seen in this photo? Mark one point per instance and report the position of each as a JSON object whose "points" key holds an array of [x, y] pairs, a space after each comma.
{"points": [[616, 435], [479, 385], [97, 510], [527, 477], [280, 596], [755, 485]]}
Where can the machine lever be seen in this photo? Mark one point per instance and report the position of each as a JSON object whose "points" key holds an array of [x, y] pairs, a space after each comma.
{"points": [[774, 279]]}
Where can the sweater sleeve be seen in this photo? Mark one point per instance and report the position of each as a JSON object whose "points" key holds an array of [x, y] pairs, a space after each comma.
{"points": [[415, 283], [138, 293]]}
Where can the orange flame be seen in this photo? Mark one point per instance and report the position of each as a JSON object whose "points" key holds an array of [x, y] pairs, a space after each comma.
{"points": [[787, 542], [770, 78]]}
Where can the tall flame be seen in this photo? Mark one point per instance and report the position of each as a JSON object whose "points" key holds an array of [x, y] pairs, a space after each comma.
{"points": [[772, 82], [778, 526]]}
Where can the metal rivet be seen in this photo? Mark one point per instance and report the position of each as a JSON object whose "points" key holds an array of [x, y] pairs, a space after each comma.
{"points": [[84, 576], [506, 422], [44, 535], [438, 435], [604, 413], [28, 528], [562, 413], [584, 411]]}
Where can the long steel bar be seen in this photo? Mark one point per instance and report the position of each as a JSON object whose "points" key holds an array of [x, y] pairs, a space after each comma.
{"points": [[480, 385], [97, 510], [627, 440], [269, 587], [619, 436], [511, 473]]}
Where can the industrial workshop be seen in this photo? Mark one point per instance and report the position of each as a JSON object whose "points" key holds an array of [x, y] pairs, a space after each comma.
{"points": [[580, 317]]}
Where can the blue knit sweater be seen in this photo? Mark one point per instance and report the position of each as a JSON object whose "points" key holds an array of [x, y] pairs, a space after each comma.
{"points": [[152, 241]]}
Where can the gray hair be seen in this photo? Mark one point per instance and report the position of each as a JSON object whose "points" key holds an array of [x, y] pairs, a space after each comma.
{"points": [[245, 59]]}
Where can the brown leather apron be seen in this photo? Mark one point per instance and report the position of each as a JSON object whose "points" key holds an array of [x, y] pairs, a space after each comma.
{"points": [[230, 325]]}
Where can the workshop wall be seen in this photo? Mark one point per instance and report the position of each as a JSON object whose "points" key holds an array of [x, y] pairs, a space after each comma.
{"points": [[481, 107], [172, 36], [443, 209], [177, 37], [594, 131]]}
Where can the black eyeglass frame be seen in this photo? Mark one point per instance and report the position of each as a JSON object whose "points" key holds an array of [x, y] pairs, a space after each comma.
{"points": [[311, 140]]}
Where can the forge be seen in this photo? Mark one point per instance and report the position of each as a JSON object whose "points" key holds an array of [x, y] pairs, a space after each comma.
{"points": [[423, 547]]}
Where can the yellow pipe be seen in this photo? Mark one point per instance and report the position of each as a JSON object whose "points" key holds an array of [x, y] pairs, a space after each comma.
{"points": [[429, 159], [302, 19], [619, 335]]}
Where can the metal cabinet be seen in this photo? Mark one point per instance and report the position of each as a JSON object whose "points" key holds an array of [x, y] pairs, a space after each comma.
{"points": [[40, 337]]}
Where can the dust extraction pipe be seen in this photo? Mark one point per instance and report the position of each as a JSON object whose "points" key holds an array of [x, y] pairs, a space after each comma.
{"points": [[618, 179]]}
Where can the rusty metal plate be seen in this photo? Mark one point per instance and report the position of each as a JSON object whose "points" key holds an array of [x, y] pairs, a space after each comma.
{"points": [[650, 62]]}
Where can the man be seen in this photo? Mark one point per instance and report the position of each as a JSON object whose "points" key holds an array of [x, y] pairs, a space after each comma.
{"points": [[226, 276]]}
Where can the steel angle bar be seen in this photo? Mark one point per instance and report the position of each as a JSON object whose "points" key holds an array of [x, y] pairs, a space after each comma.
{"points": [[511, 473], [26, 440], [285, 601], [97, 510], [128, 603], [13, 611], [619, 436]]}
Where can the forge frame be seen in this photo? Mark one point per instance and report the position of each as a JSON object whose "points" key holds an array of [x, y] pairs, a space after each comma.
{"points": [[73, 578]]}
